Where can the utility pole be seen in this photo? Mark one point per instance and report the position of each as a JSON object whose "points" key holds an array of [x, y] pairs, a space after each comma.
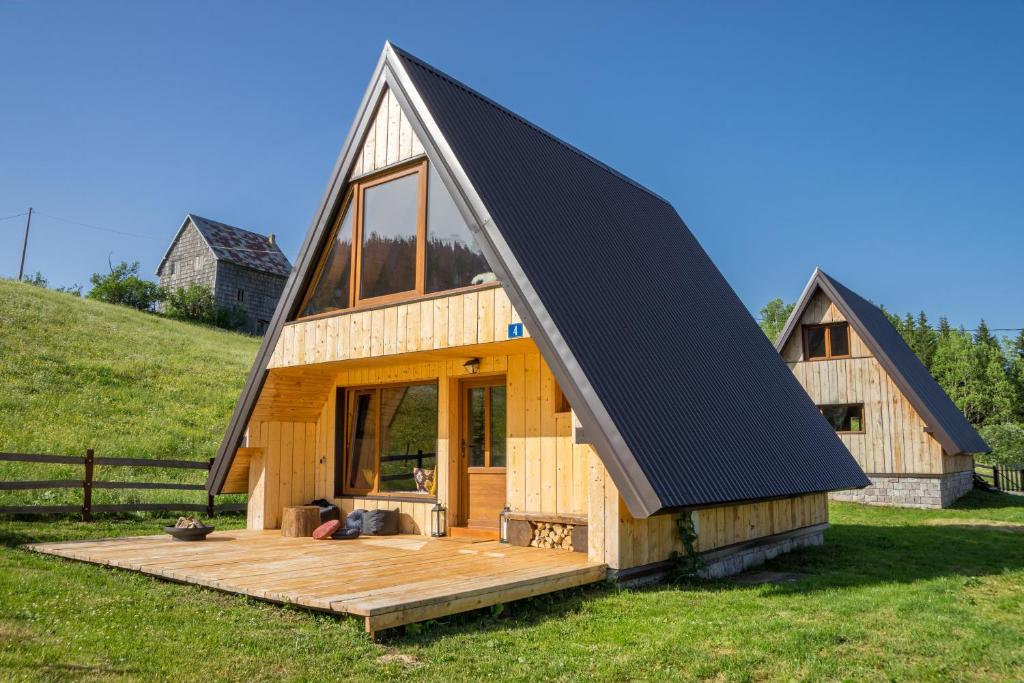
{"points": [[24, 246]]}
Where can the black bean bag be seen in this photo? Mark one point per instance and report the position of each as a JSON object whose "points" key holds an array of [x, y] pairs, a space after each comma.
{"points": [[380, 522], [328, 510], [352, 527]]}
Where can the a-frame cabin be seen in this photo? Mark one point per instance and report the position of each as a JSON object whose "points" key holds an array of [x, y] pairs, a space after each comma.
{"points": [[478, 299], [901, 427]]}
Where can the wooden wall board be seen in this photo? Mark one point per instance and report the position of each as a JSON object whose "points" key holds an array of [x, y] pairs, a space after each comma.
{"points": [[895, 440]]}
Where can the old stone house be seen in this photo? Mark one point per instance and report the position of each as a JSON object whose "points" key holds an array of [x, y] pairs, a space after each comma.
{"points": [[244, 269]]}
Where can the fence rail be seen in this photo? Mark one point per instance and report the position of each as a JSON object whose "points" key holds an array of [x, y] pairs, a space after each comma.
{"points": [[88, 483], [1002, 477]]}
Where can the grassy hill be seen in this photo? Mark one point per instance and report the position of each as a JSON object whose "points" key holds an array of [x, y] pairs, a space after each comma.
{"points": [[77, 374]]}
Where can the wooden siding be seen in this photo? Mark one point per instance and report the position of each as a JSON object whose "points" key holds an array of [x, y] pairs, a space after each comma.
{"points": [[545, 470], [621, 541], [478, 316], [389, 141], [894, 440]]}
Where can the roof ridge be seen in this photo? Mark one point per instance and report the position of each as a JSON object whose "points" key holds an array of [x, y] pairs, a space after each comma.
{"points": [[266, 238], [508, 112]]}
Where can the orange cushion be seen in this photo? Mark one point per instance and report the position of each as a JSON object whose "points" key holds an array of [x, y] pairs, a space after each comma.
{"points": [[326, 529]]}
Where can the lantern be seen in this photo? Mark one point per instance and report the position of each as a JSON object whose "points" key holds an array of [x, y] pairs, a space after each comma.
{"points": [[438, 520], [503, 524]]}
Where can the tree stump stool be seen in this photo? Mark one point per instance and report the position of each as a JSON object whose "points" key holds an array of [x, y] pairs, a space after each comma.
{"points": [[300, 520]]}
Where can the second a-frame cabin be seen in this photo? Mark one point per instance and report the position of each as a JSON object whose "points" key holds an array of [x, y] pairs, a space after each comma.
{"points": [[904, 431], [480, 321]]}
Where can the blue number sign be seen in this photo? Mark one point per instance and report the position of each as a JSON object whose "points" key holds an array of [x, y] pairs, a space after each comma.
{"points": [[515, 330]]}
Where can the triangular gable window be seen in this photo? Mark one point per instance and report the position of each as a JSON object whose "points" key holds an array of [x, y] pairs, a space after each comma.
{"points": [[400, 236]]}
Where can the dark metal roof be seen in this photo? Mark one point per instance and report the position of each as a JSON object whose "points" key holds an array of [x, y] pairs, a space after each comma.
{"points": [[685, 399], [242, 247], [704, 407], [948, 424]]}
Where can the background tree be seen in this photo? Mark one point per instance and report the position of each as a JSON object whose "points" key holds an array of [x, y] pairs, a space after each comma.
{"points": [[123, 286], [1007, 442], [36, 280], [194, 302], [774, 315], [925, 339]]}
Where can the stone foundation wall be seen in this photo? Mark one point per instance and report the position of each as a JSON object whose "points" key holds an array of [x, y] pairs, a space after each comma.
{"points": [[731, 559], [906, 491]]}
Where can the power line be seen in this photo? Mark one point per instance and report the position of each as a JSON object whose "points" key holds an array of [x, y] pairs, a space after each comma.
{"points": [[17, 215], [97, 227]]}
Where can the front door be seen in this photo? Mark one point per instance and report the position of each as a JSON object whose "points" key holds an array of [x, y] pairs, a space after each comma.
{"points": [[483, 452]]}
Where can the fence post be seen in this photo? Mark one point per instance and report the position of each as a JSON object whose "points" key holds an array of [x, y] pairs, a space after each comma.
{"points": [[87, 487], [209, 496], [995, 476]]}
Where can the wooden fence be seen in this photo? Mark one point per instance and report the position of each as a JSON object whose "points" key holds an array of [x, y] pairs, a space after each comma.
{"points": [[1002, 477], [88, 484]]}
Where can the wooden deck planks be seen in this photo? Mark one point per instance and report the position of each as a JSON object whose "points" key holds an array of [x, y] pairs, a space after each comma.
{"points": [[388, 581]]}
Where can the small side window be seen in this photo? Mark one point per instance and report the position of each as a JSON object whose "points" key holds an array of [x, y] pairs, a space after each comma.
{"points": [[241, 295], [846, 418]]}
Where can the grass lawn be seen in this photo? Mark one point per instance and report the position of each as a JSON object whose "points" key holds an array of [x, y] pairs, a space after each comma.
{"points": [[77, 373], [893, 595]]}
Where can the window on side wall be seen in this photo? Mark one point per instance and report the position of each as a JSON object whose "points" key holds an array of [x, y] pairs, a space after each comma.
{"points": [[826, 341], [846, 418], [390, 443]]}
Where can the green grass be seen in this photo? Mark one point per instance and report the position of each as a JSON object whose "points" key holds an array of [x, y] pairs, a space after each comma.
{"points": [[76, 373], [893, 595]]}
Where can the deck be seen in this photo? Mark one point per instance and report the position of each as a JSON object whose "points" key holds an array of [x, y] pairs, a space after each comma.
{"points": [[388, 581]]}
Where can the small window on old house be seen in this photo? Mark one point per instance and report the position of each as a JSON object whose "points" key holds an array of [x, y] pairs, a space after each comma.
{"points": [[172, 268], [848, 418], [241, 295], [826, 341]]}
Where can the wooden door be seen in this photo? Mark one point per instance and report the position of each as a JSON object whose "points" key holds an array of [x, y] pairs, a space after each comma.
{"points": [[483, 450]]}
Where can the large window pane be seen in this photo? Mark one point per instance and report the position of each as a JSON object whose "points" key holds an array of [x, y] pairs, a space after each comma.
{"points": [[409, 427], [453, 259], [498, 427], [332, 287], [477, 428], [815, 337], [839, 340], [362, 460], [390, 212]]}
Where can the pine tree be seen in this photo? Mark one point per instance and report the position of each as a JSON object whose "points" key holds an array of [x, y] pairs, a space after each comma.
{"points": [[1016, 372], [982, 336], [944, 328], [925, 340]]}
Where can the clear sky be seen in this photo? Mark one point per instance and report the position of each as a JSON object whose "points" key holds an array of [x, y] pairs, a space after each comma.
{"points": [[882, 141]]}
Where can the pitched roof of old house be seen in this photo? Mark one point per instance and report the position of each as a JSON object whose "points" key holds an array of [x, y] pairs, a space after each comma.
{"points": [[948, 424], [676, 386], [235, 245]]}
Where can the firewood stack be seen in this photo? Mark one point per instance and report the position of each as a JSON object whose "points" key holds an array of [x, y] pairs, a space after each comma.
{"points": [[552, 535]]}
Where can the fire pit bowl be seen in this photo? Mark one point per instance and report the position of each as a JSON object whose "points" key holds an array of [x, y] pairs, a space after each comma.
{"points": [[185, 534]]}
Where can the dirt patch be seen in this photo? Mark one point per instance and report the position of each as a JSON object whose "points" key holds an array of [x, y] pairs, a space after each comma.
{"points": [[408, 661], [979, 525]]}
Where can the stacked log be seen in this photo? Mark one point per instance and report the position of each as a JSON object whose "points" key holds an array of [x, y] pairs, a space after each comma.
{"points": [[552, 535]]}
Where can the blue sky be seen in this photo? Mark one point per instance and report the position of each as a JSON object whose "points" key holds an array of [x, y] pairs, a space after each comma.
{"points": [[881, 141]]}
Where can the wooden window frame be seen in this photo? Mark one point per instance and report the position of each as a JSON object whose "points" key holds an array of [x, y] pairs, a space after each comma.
{"points": [[354, 197], [346, 443], [827, 327], [863, 425]]}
